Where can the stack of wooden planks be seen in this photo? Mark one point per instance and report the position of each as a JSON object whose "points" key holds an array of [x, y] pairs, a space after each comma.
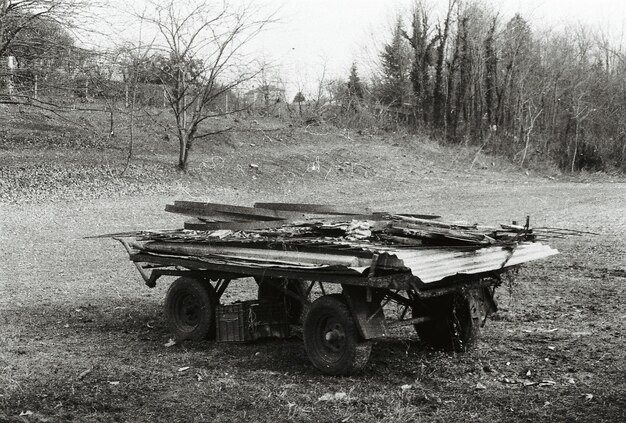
{"points": [[314, 221]]}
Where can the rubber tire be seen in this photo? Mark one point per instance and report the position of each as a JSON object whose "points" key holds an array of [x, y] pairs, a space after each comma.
{"points": [[190, 309], [452, 327], [294, 309], [345, 356]]}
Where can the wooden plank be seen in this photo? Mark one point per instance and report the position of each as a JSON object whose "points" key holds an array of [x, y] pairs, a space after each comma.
{"points": [[226, 213], [419, 216], [401, 240], [207, 213], [200, 225], [419, 221], [313, 208], [421, 232], [209, 208]]}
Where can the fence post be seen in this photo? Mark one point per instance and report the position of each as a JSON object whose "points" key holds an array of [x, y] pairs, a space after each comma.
{"points": [[11, 65]]}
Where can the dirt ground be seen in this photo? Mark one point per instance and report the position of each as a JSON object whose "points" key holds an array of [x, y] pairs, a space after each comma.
{"points": [[82, 339]]}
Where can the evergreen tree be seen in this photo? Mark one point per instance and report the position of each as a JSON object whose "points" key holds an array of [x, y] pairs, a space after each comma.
{"points": [[422, 60], [396, 66], [299, 98], [355, 87]]}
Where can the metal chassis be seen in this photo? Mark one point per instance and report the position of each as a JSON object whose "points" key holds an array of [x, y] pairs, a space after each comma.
{"points": [[366, 295]]}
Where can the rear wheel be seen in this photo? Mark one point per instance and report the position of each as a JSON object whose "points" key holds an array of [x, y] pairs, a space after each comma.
{"points": [[190, 309], [331, 337], [455, 322]]}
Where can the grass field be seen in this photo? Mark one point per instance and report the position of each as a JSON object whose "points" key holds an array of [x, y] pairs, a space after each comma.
{"points": [[82, 339]]}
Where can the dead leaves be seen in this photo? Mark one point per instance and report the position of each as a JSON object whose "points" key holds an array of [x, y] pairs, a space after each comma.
{"points": [[84, 373], [337, 396]]}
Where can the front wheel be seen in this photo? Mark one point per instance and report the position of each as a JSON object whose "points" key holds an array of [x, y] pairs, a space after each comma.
{"points": [[331, 337], [190, 309]]}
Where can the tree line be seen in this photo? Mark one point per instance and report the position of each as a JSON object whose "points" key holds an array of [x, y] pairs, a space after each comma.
{"points": [[467, 77], [472, 77]]}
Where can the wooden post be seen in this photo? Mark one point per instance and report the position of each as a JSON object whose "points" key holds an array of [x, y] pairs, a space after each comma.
{"points": [[11, 65]]}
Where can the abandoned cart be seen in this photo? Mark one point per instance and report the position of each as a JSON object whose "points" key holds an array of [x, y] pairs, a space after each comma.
{"points": [[334, 271]]}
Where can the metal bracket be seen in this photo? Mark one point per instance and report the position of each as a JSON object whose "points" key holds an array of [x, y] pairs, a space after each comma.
{"points": [[149, 279], [369, 316]]}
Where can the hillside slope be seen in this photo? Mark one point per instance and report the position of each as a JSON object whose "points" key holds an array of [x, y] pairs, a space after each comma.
{"points": [[52, 157]]}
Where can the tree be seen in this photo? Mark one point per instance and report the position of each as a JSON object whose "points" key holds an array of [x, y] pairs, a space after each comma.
{"points": [[396, 68], [422, 45], [354, 85], [439, 91], [204, 41], [299, 98], [18, 17], [491, 72], [35, 33]]}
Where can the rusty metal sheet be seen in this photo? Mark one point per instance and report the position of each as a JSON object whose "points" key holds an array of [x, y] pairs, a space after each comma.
{"points": [[427, 264], [431, 265], [260, 255]]}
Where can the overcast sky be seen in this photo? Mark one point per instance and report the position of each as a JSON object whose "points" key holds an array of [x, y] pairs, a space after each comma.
{"points": [[312, 34]]}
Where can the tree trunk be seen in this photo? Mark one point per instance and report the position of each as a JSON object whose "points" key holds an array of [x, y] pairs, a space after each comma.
{"points": [[439, 94], [575, 145], [183, 152], [491, 75]]}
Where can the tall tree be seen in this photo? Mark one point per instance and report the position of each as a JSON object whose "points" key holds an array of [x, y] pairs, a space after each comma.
{"points": [[354, 84], [422, 45], [439, 91], [491, 72], [396, 67]]}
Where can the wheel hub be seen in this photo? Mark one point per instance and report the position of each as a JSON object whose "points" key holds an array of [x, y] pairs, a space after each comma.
{"points": [[189, 311], [334, 337]]}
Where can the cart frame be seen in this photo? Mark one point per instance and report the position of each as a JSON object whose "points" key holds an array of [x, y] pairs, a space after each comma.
{"points": [[343, 325]]}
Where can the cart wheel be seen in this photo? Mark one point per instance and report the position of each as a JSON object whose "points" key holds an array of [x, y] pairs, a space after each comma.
{"points": [[269, 293], [190, 309], [331, 337], [453, 327]]}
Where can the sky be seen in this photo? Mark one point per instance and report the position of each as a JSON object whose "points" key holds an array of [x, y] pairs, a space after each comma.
{"points": [[314, 34], [323, 37]]}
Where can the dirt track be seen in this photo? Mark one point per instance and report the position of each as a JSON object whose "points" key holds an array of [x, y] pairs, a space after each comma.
{"points": [[72, 305]]}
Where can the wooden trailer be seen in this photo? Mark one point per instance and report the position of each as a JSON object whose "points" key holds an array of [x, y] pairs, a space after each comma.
{"points": [[440, 276]]}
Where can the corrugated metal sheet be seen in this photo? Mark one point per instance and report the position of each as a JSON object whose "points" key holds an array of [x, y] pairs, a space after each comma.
{"points": [[431, 265]]}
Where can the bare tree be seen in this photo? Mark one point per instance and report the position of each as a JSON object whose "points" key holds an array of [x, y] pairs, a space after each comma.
{"points": [[439, 93], [205, 41], [20, 16]]}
